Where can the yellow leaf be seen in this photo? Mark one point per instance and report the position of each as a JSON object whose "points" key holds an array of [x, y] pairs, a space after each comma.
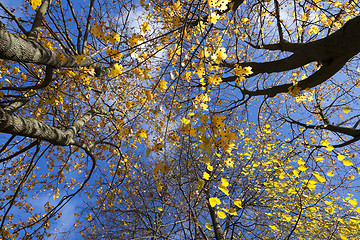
{"points": [[177, 6], [329, 203], [116, 70], [162, 85], [302, 168], [160, 209], [89, 217], [232, 211], [210, 168], [301, 161], [330, 173], [219, 55], [224, 182], [206, 176], [214, 80], [273, 227], [159, 186], [80, 58], [247, 70], [329, 148], [204, 118], [141, 134], [185, 121], [229, 162], [224, 189], [200, 184], [35, 3], [353, 202], [206, 160], [214, 201], [57, 194], [221, 214], [348, 163], [357, 210], [346, 109], [213, 17], [318, 177], [96, 30], [208, 226], [324, 142], [237, 202], [340, 157]]}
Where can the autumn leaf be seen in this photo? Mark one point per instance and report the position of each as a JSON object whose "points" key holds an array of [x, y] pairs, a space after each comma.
{"points": [[96, 30], [214, 201], [353, 202], [200, 184], [224, 189], [221, 214], [346, 109], [348, 163], [204, 118], [208, 226], [206, 176], [34, 3], [319, 177], [302, 168], [213, 17], [237, 202], [80, 58]]}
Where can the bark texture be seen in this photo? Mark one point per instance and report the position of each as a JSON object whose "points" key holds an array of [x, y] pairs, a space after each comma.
{"points": [[18, 49], [28, 127]]}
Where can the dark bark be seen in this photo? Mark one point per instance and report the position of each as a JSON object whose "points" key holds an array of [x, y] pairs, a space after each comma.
{"points": [[332, 52]]}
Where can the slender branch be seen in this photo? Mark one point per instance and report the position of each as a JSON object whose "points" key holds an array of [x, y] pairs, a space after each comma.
{"points": [[278, 20], [78, 43], [19, 152], [14, 18], [40, 13], [42, 84], [87, 30]]}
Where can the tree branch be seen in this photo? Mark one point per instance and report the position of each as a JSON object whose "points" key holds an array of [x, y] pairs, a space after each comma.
{"points": [[40, 13], [28, 127], [17, 49]]}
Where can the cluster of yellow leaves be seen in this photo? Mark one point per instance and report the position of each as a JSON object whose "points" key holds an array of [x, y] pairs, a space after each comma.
{"points": [[241, 72], [220, 5], [214, 80], [201, 101], [219, 55], [327, 145], [304, 97], [116, 70], [114, 54], [34, 3], [213, 17], [294, 90], [135, 39]]}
